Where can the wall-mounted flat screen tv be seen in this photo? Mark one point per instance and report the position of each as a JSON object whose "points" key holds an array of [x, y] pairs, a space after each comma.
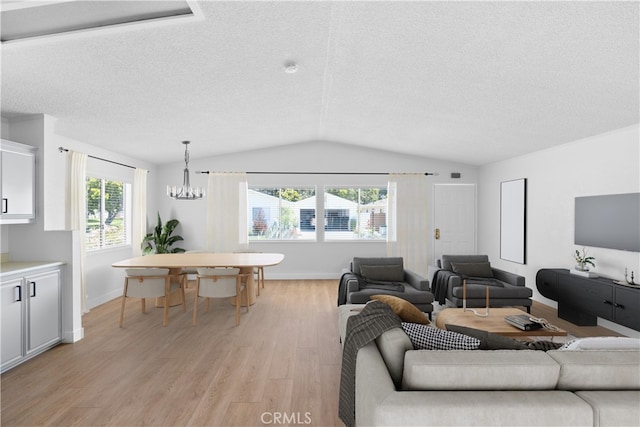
{"points": [[609, 221]]}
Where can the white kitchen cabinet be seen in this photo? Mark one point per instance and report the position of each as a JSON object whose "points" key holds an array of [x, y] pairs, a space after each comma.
{"points": [[17, 183], [31, 313], [13, 333]]}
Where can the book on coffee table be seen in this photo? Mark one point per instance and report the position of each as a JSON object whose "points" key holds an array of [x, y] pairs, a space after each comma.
{"points": [[523, 322]]}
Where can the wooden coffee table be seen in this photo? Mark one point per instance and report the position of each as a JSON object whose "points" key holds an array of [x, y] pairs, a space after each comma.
{"points": [[494, 323]]}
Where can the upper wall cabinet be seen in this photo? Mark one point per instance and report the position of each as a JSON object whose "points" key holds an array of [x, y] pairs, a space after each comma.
{"points": [[18, 183]]}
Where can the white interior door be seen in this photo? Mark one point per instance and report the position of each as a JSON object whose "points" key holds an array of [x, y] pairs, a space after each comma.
{"points": [[454, 219]]}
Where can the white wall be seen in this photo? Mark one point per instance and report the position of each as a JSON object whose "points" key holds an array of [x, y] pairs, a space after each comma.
{"points": [[30, 242], [307, 260], [604, 164], [48, 239], [104, 282]]}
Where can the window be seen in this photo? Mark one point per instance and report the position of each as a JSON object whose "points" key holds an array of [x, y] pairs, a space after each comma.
{"points": [[108, 219], [355, 213], [282, 214]]}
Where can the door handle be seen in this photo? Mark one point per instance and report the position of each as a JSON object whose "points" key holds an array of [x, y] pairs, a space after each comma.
{"points": [[33, 289], [5, 205], [437, 234], [17, 292]]}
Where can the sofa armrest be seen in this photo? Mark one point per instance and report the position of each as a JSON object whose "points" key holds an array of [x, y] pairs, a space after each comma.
{"points": [[452, 279], [373, 384], [431, 272], [353, 284], [507, 277], [415, 280]]}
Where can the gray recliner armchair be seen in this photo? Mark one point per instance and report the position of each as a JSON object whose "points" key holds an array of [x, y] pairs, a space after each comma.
{"points": [[505, 289], [384, 276]]}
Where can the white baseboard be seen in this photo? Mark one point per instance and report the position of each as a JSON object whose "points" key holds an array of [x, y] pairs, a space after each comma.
{"points": [[72, 336], [301, 276], [94, 302]]}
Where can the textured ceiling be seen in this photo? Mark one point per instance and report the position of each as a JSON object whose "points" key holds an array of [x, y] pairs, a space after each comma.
{"points": [[474, 82]]}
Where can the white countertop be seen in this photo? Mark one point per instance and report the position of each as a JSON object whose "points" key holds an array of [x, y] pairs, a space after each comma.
{"points": [[18, 267]]}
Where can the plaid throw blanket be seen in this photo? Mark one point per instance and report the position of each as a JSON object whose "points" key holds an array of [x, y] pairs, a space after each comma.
{"points": [[376, 318], [439, 286]]}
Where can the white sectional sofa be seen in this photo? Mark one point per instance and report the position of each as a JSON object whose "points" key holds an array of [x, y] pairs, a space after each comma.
{"points": [[399, 386]]}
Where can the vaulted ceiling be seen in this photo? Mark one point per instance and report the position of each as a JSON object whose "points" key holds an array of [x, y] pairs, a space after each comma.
{"points": [[474, 82]]}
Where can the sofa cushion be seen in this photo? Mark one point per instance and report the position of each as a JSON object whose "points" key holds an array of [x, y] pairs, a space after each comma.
{"points": [[472, 269], [359, 261], [383, 273], [430, 338], [392, 345], [448, 259], [598, 369], [603, 343], [498, 290], [420, 299], [540, 408], [403, 308], [479, 370], [613, 408]]}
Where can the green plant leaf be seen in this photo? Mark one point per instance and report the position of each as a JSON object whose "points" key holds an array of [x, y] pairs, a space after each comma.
{"points": [[161, 240]]}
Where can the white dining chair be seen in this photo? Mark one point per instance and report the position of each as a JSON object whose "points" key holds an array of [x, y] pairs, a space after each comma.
{"points": [[146, 283], [221, 283]]}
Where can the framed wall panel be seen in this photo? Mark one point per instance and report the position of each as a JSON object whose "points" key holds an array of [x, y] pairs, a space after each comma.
{"points": [[513, 220]]}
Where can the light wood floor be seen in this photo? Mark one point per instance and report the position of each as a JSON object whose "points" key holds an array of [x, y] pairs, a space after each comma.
{"points": [[282, 361]]}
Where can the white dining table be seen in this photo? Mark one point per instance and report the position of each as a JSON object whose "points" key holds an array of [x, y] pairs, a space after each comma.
{"points": [[245, 261]]}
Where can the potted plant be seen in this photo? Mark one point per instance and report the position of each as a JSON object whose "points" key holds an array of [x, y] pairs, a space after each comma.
{"points": [[582, 259], [161, 240]]}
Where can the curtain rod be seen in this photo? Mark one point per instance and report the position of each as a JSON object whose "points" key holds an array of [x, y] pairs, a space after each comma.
{"points": [[61, 149], [328, 173]]}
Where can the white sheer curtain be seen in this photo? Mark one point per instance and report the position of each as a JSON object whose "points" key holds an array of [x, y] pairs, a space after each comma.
{"points": [[407, 220], [139, 210], [77, 209], [227, 212]]}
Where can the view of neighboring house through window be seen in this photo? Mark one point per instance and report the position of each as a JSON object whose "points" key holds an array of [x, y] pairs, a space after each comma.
{"points": [[281, 213], [290, 214], [108, 213], [355, 213]]}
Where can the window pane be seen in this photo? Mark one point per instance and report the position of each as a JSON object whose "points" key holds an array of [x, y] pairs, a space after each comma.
{"points": [[281, 214], [114, 224], [106, 213], [94, 203], [355, 213]]}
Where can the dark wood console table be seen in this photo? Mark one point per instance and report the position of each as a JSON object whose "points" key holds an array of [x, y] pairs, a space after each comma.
{"points": [[582, 300]]}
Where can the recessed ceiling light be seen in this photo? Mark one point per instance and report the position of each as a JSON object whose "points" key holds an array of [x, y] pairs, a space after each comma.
{"points": [[290, 67]]}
